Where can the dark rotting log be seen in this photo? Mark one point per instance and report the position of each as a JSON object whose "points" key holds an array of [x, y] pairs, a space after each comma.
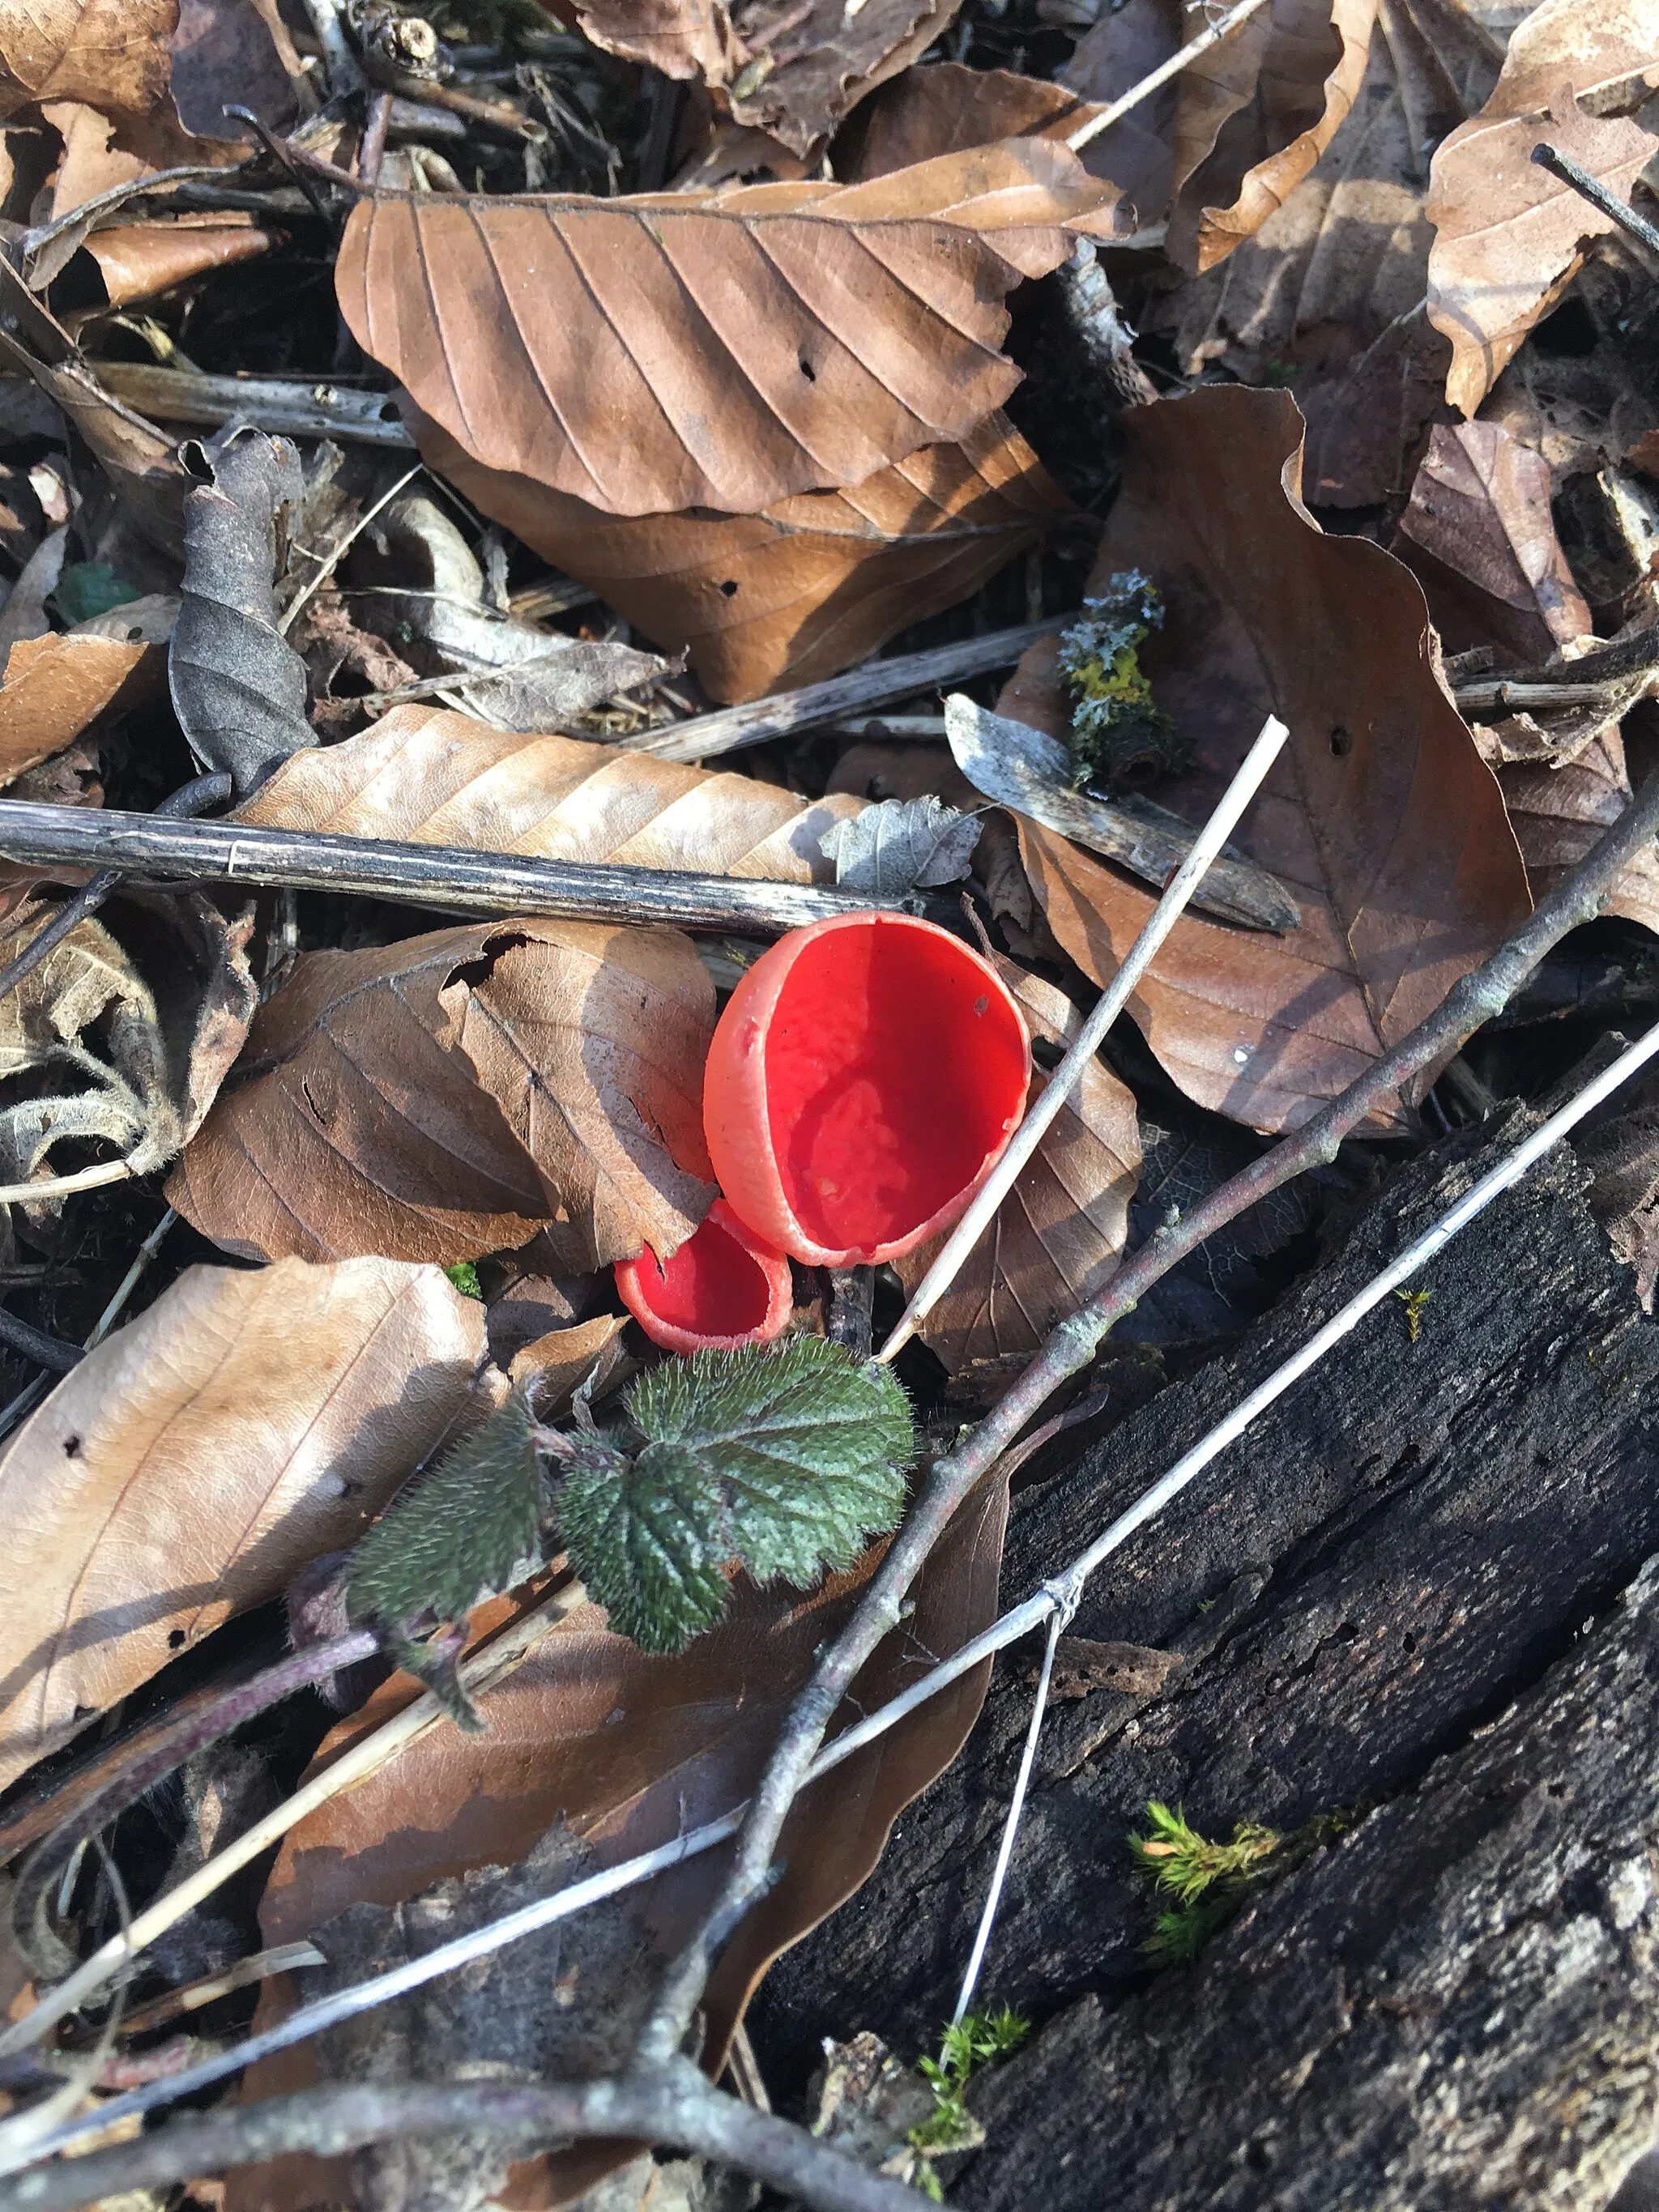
{"points": [[1403, 1588]]}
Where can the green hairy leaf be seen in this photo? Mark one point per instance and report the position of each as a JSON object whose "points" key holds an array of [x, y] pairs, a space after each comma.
{"points": [[470, 1528], [646, 1539], [788, 1461]]}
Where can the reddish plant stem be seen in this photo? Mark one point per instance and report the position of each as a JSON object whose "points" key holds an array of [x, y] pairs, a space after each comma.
{"points": [[299, 1670], [1471, 1001]]}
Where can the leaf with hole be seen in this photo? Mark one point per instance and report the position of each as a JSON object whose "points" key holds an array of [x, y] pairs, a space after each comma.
{"points": [[447, 1096], [724, 350]]}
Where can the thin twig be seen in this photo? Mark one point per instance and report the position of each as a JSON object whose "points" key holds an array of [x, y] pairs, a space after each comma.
{"points": [[35, 1344], [788, 713], [1189, 53], [451, 878], [673, 2105], [314, 583], [1070, 1348], [129, 1282], [276, 404], [1593, 190], [1040, 1115], [190, 799]]}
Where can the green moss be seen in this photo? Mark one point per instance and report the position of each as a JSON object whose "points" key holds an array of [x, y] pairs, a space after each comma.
{"points": [[1210, 1881], [976, 2040], [1119, 733]]}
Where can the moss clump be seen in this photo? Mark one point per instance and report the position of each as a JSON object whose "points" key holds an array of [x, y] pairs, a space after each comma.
{"points": [[1119, 734], [1209, 1880]]}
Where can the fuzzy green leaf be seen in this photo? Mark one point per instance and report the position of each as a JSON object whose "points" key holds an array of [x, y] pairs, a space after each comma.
{"points": [[467, 1530], [647, 1538], [811, 1445]]}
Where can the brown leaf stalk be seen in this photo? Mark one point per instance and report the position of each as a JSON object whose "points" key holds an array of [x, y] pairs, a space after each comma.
{"points": [[670, 2105], [1479, 995]]}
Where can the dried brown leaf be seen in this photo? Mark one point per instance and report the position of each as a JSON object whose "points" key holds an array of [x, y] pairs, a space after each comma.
{"points": [[1380, 819], [1619, 1146], [794, 71], [728, 351], [438, 778], [1559, 813], [53, 687], [1312, 63], [763, 602], [944, 107], [447, 1095], [110, 54], [1480, 539], [633, 1751], [1511, 235], [199, 1457], [137, 260], [120, 1042], [1057, 1237]]}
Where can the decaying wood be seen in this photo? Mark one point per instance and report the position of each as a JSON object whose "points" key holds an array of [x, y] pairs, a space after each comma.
{"points": [[280, 405], [447, 879], [1402, 1554]]}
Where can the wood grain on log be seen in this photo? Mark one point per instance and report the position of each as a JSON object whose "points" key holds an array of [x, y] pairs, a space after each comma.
{"points": [[1415, 1538]]}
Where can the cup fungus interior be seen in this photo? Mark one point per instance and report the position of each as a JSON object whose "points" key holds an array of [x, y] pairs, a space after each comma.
{"points": [[712, 1286], [892, 1074]]}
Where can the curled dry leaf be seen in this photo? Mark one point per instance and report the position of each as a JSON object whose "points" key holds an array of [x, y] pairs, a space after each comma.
{"points": [[1312, 62], [728, 350], [444, 1097], [633, 1750], [1057, 1237], [794, 71], [199, 1457], [1380, 819], [137, 260], [944, 107], [438, 778], [1619, 1146], [1559, 813], [416, 578], [761, 603], [239, 687], [1511, 235], [1479, 537], [105, 1044]]}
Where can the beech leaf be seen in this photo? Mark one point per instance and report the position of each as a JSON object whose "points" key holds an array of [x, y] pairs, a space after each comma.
{"points": [[760, 603], [467, 1530], [725, 350], [109, 54], [1557, 813], [1480, 537], [648, 1538], [435, 777], [192, 1464], [1056, 1239], [1380, 818], [903, 842], [1510, 235], [447, 1095]]}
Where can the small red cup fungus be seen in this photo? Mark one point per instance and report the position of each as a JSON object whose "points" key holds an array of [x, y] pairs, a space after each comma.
{"points": [[724, 1288], [863, 1081]]}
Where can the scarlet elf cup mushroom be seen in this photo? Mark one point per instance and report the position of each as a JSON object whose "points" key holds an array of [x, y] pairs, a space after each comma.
{"points": [[865, 1078], [723, 1289]]}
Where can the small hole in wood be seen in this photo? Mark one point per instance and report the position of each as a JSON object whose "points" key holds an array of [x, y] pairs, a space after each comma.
{"points": [[1341, 744]]}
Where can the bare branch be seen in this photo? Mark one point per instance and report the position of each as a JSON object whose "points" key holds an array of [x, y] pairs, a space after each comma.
{"points": [[674, 2106]]}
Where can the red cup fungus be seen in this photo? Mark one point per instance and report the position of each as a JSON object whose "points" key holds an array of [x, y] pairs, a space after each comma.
{"points": [[863, 1081], [724, 1288]]}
